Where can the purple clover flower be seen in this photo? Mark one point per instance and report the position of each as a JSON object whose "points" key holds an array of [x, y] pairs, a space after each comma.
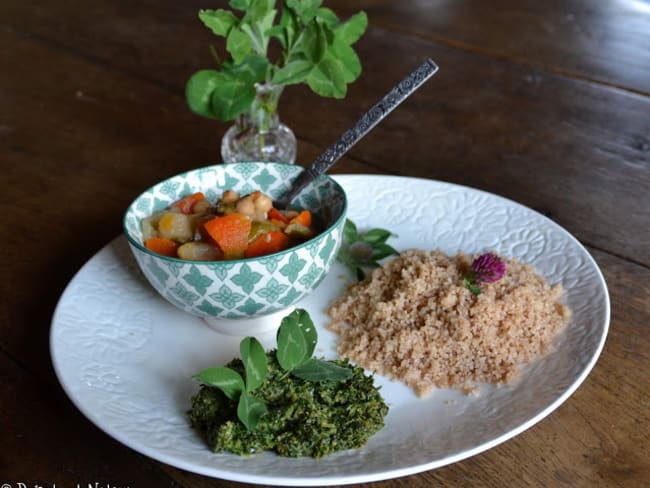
{"points": [[487, 268]]}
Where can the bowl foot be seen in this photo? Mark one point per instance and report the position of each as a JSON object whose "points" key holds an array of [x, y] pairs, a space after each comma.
{"points": [[247, 327]]}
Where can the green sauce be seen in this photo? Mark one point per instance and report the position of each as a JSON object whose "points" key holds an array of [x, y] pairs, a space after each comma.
{"points": [[304, 418]]}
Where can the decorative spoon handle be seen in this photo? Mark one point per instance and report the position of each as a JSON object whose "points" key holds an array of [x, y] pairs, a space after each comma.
{"points": [[367, 122]]}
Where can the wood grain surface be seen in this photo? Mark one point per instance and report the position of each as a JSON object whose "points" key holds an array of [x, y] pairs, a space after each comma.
{"points": [[545, 103]]}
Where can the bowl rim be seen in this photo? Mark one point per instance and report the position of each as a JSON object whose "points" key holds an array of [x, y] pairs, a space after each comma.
{"points": [[321, 235]]}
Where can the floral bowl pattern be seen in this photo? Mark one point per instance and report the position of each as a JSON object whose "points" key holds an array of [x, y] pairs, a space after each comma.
{"points": [[246, 288]]}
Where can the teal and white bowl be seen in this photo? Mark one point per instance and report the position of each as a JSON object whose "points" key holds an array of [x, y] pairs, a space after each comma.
{"points": [[247, 295]]}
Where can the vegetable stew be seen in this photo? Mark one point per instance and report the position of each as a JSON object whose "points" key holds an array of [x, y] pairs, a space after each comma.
{"points": [[234, 227]]}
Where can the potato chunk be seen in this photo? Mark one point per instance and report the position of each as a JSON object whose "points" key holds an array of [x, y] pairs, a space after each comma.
{"points": [[150, 225], [199, 251], [176, 226]]}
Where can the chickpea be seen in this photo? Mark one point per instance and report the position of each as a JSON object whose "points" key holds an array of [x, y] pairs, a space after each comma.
{"points": [[201, 206], [245, 206], [263, 203], [230, 196]]}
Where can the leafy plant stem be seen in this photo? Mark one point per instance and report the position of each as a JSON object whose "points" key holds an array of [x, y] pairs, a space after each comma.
{"points": [[316, 50]]}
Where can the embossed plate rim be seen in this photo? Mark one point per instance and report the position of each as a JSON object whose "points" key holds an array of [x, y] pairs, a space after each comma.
{"points": [[445, 429]]}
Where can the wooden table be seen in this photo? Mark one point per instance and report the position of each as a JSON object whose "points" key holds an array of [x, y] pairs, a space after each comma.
{"points": [[545, 103]]}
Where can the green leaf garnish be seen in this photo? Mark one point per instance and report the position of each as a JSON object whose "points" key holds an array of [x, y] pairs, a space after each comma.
{"points": [[362, 251], [254, 358], [375, 236], [227, 380], [319, 370], [350, 232], [381, 251], [296, 340], [250, 409]]}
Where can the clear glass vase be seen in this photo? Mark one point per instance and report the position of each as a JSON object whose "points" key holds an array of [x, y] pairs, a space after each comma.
{"points": [[258, 134]]}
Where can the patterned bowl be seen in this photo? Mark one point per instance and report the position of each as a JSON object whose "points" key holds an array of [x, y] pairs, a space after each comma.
{"points": [[247, 295]]}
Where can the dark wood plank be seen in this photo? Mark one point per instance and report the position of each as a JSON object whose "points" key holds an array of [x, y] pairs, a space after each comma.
{"points": [[549, 142], [136, 37], [605, 42]]}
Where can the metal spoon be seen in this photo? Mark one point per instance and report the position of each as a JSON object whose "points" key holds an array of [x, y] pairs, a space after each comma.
{"points": [[365, 124]]}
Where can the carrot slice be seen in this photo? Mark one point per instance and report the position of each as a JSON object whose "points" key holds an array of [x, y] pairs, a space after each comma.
{"points": [[267, 243], [163, 246], [230, 232], [275, 214], [186, 204], [303, 218]]}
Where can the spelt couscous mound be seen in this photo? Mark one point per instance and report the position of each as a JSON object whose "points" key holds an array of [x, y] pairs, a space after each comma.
{"points": [[414, 320]]}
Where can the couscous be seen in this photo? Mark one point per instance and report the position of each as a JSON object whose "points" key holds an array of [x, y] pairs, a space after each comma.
{"points": [[414, 320]]}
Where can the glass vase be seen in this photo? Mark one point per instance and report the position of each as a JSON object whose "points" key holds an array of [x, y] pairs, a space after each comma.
{"points": [[258, 134]]}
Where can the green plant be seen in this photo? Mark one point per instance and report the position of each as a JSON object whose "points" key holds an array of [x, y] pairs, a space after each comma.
{"points": [[315, 48], [364, 250], [296, 339]]}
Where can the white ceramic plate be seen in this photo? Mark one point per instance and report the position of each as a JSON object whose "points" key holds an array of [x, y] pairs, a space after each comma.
{"points": [[125, 356]]}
